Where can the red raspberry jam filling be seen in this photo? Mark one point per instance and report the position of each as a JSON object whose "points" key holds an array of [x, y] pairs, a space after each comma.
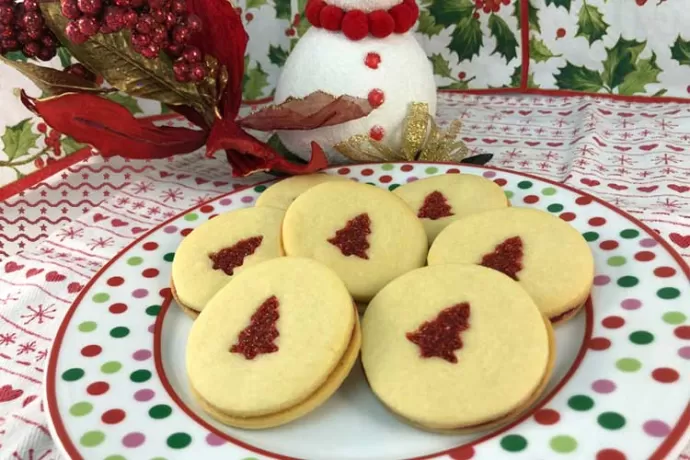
{"points": [[352, 238], [506, 258], [228, 259], [440, 337], [257, 338]]}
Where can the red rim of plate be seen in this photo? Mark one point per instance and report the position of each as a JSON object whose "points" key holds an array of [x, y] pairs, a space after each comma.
{"points": [[661, 452]]}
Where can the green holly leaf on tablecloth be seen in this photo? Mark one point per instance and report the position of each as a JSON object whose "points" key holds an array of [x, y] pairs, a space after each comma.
{"points": [[506, 44], [646, 71], [620, 61], [283, 9], [277, 55], [69, 145], [564, 3], [440, 65], [457, 85], [427, 25], [579, 78], [16, 56], [19, 139], [256, 4], [128, 102], [539, 51], [680, 51], [451, 12], [532, 17], [466, 39], [65, 57], [516, 78], [257, 80], [590, 23]]}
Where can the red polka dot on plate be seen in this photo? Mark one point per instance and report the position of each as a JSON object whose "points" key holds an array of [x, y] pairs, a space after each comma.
{"points": [[115, 281], [150, 273], [547, 417], [186, 231], [151, 246], [567, 216], [608, 245], [97, 388], [462, 453], [645, 256], [117, 308], [453, 171], [91, 350], [206, 209], [665, 375], [597, 221], [406, 168], [664, 272], [531, 199], [367, 172], [501, 182], [165, 293], [113, 416], [584, 200], [385, 179], [610, 454], [682, 332], [599, 343], [613, 322], [343, 171]]}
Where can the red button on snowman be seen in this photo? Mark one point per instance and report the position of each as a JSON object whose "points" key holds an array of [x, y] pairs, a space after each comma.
{"points": [[360, 48]]}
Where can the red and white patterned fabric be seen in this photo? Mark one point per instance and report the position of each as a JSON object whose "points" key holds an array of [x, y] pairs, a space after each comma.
{"points": [[55, 235]]}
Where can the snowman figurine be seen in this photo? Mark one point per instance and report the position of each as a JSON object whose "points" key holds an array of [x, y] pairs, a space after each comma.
{"points": [[360, 48]]}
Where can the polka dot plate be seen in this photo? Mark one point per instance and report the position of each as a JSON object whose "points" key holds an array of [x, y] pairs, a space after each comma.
{"points": [[117, 389]]}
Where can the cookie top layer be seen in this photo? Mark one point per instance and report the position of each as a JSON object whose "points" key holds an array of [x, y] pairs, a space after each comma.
{"points": [[367, 235], [270, 337], [222, 247], [547, 256], [441, 200], [454, 346], [283, 193]]}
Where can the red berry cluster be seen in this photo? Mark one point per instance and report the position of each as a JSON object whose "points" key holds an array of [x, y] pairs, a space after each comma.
{"points": [[489, 6], [22, 28], [155, 25]]}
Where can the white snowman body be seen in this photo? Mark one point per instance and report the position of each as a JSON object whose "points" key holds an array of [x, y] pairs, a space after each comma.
{"points": [[330, 62]]}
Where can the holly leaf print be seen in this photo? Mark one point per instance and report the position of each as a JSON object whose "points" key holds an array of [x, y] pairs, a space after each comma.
{"points": [[516, 79], [277, 55], [646, 71], [564, 3], [19, 139], [283, 9], [427, 25], [579, 79], [680, 51], [466, 39], [257, 80], [506, 44], [451, 12], [440, 65], [457, 85], [69, 145], [532, 17], [620, 61], [539, 51], [256, 4], [128, 102], [590, 23]]}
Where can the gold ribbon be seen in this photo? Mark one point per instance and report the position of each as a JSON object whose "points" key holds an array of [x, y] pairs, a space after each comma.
{"points": [[422, 140]]}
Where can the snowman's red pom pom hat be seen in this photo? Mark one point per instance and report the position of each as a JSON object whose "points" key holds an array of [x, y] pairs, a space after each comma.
{"points": [[355, 25], [331, 17], [381, 24], [404, 17], [313, 12]]}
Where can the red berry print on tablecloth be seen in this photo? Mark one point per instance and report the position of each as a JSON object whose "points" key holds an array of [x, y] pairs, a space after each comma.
{"points": [[352, 238], [258, 338], [506, 257], [376, 97], [440, 337], [560, 32], [665, 375], [228, 259], [435, 207], [613, 322], [377, 132], [547, 417], [372, 60]]}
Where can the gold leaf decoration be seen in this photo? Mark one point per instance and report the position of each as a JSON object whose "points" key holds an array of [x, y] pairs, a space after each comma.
{"points": [[52, 81], [422, 140], [113, 57]]}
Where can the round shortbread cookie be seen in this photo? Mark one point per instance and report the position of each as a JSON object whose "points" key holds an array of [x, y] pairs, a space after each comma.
{"points": [[219, 249], [547, 256], [283, 193], [275, 340], [441, 200], [366, 234], [455, 347]]}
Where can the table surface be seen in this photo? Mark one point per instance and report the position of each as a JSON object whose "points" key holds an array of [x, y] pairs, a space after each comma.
{"points": [[56, 234]]}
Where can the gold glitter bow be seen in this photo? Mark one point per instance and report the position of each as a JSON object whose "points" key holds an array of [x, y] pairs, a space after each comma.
{"points": [[422, 140]]}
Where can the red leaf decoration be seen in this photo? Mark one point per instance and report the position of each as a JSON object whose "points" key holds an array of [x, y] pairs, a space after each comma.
{"points": [[316, 110], [247, 154], [223, 37], [110, 128]]}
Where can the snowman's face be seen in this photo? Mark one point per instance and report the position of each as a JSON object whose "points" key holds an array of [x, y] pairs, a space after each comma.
{"points": [[364, 5]]}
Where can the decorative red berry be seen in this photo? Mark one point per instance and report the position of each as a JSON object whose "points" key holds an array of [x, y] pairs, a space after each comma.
{"points": [[560, 33], [69, 9], [462, 75], [194, 24], [296, 20], [181, 70], [249, 17], [181, 35], [88, 26], [192, 54], [197, 72], [290, 32], [131, 18], [376, 97], [90, 7], [355, 25], [372, 60], [42, 128], [38, 162], [179, 7], [31, 49], [151, 51]]}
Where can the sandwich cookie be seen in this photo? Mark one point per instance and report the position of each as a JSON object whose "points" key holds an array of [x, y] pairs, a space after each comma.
{"points": [[547, 256], [273, 344], [456, 348], [283, 193]]}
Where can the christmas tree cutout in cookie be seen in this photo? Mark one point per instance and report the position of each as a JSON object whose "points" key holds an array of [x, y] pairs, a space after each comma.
{"points": [[352, 238], [435, 206], [506, 258], [257, 338], [228, 259], [440, 337]]}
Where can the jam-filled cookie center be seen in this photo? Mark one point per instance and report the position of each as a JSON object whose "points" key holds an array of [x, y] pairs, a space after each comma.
{"points": [[440, 337], [352, 238], [258, 338], [228, 259], [506, 257], [435, 207]]}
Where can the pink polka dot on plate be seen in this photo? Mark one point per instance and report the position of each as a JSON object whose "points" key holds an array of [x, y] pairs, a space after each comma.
{"points": [[133, 439], [152, 328], [489, 174], [247, 199], [411, 179], [141, 355], [648, 243], [213, 439], [656, 428], [139, 293], [603, 386], [601, 280], [170, 229], [144, 395], [225, 201], [631, 304], [684, 352]]}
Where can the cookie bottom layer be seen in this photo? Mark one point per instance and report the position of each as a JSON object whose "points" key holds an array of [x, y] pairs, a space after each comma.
{"points": [[188, 311], [318, 397], [566, 315]]}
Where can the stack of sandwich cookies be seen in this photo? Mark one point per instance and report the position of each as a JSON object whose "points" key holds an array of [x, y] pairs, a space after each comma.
{"points": [[272, 345], [441, 200], [367, 235], [456, 348], [221, 248], [283, 193], [544, 254]]}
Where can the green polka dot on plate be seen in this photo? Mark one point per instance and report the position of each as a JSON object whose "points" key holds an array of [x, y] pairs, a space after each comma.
{"points": [[616, 261], [142, 375], [101, 297], [431, 170], [153, 310], [259, 188], [641, 337], [508, 194], [630, 233], [524, 185], [668, 293], [119, 332], [674, 317], [134, 261], [191, 217], [115, 457], [513, 443], [563, 444], [92, 438], [74, 374], [387, 167], [628, 364], [81, 408], [111, 367], [549, 191], [87, 326], [581, 403], [628, 281], [556, 207], [160, 411], [179, 440], [590, 236], [393, 187], [169, 257], [611, 420]]}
